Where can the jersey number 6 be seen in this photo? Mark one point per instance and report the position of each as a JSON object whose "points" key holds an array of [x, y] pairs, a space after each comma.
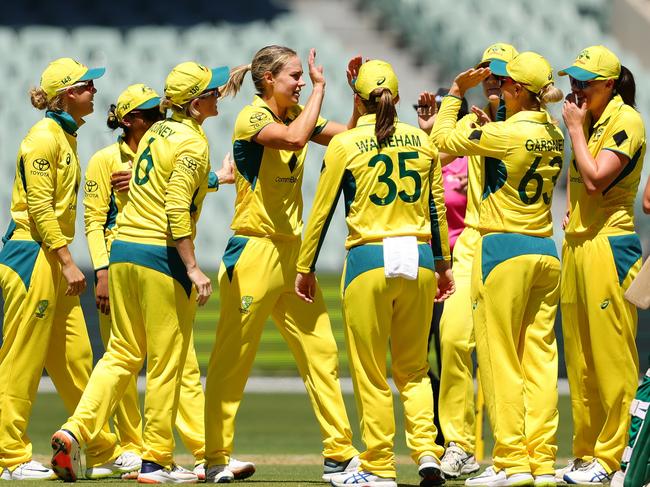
{"points": [[404, 173], [145, 156]]}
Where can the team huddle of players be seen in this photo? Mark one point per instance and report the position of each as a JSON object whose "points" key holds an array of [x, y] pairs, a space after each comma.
{"points": [[143, 198]]}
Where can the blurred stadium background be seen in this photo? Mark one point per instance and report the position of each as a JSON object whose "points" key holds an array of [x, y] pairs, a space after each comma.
{"points": [[427, 41]]}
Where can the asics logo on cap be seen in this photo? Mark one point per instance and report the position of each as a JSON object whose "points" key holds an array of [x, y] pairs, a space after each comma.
{"points": [[381, 81]]}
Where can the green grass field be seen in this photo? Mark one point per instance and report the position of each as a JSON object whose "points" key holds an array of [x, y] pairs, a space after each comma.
{"points": [[280, 434]]}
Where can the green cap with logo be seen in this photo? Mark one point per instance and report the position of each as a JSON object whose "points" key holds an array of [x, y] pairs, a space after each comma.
{"points": [[498, 52], [188, 80], [375, 74], [594, 62], [65, 72], [136, 97], [528, 69]]}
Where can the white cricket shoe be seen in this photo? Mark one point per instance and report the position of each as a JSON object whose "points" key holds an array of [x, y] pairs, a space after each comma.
{"points": [[126, 463], [546, 480], [456, 462], [199, 471], [574, 464], [219, 474], [241, 470], [491, 478], [617, 479], [31, 470], [153, 473], [591, 473], [363, 478], [333, 467], [66, 460], [429, 471]]}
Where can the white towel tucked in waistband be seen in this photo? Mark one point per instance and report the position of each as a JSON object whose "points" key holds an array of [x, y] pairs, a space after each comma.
{"points": [[401, 257]]}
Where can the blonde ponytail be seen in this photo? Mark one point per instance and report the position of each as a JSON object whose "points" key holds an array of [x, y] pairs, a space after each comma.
{"points": [[235, 80]]}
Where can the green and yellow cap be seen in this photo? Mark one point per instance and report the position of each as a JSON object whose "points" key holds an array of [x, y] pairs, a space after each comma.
{"points": [[65, 72], [375, 74], [188, 80], [528, 68], [595, 62], [498, 52], [136, 97]]}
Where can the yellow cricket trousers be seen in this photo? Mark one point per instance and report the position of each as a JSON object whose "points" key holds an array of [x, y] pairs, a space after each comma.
{"points": [[376, 310], [152, 311], [43, 328], [256, 280], [515, 294], [599, 328], [189, 420], [456, 400]]}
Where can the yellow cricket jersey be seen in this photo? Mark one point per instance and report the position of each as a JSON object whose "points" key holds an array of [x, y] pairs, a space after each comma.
{"points": [[619, 129], [523, 159], [101, 203], [474, 173], [44, 196], [268, 181], [169, 183], [389, 191]]}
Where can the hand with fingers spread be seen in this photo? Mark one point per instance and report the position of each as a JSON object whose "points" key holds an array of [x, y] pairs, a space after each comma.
{"points": [[426, 110], [315, 72], [226, 174], [202, 284], [467, 80], [306, 286], [101, 291], [353, 70], [120, 180], [481, 117]]}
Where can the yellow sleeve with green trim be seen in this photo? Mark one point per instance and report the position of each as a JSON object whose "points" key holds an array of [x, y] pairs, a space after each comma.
{"points": [[325, 199], [190, 169], [97, 196], [438, 214], [488, 140], [42, 152], [250, 121]]}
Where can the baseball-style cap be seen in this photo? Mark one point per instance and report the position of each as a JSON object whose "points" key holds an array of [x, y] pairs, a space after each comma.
{"points": [[136, 97], [595, 62], [65, 72], [188, 80], [375, 74], [528, 68], [498, 52]]}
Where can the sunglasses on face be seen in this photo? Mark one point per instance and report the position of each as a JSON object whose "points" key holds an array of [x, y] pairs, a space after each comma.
{"points": [[576, 84], [80, 86], [149, 115], [503, 80], [209, 93]]}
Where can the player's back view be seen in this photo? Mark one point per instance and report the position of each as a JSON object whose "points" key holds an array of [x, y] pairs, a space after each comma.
{"points": [[390, 176]]}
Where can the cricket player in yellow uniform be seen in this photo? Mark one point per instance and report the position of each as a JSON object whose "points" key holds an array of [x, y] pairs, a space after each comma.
{"points": [[390, 176], [515, 273], [258, 270], [456, 401], [136, 110], [43, 321], [601, 256], [154, 279]]}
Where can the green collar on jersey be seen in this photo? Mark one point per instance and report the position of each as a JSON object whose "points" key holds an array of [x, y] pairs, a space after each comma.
{"points": [[64, 119]]}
